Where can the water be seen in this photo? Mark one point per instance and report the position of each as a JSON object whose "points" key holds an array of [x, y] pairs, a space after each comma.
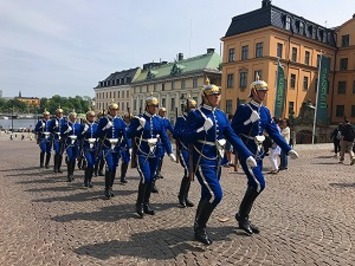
{"points": [[20, 123]]}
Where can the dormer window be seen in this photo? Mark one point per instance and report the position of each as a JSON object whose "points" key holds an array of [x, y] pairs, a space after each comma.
{"points": [[288, 23]]}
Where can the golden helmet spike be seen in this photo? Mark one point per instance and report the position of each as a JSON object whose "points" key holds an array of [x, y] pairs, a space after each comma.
{"points": [[113, 105], [45, 112], [59, 110], [210, 89], [73, 113], [151, 100]]}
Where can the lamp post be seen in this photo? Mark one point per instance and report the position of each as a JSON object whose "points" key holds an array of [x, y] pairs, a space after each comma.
{"points": [[12, 120]]}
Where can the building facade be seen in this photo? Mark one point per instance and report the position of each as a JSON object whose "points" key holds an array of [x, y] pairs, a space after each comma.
{"points": [[256, 41], [173, 82], [30, 101], [116, 88]]}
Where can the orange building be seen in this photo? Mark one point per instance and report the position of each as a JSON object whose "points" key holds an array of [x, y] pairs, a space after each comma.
{"points": [[31, 101], [255, 41]]}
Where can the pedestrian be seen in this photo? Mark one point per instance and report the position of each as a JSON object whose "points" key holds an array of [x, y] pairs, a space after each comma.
{"points": [[148, 131], [249, 122], [57, 129], [286, 133], [274, 150], [336, 137], [207, 129], [89, 137], [44, 138], [347, 142], [72, 133], [184, 156], [112, 131]]}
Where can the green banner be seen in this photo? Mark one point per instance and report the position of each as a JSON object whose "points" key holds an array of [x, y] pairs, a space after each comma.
{"points": [[322, 102], [280, 91]]}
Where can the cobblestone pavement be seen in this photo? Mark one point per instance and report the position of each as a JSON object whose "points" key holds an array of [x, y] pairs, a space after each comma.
{"points": [[306, 216]]}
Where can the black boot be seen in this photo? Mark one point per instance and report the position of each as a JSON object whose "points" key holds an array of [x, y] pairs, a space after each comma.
{"points": [[124, 167], [113, 176], [245, 209], [140, 199], [41, 159], [101, 167], [70, 172], [153, 187], [91, 171], [184, 189], [48, 158], [203, 213], [158, 174], [59, 163], [86, 177], [55, 167], [107, 184], [146, 206]]}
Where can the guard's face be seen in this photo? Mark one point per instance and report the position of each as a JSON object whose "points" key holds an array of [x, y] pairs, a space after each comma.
{"points": [[259, 96], [91, 118], [214, 99], [59, 114], [72, 118], [152, 109], [114, 112]]}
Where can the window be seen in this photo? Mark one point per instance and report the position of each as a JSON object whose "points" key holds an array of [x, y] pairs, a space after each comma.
{"points": [[118, 94], [110, 94], [127, 93], [183, 84], [259, 50], [195, 83], [172, 104], [318, 59], [341, 87], [122, 107], [294, 54], [163, 102], [279, 50], [291, 107], [230, 78], [301, 28], [339, 111], [231, 55], [172, 84], [293, 81], [155, 87], [345, 40], [258, 74], [163, 87], [354, 87], [140, 106], [245, 51], [353, 111], [229, 106], [135, 104], [305, 83], [343, 64], [288, 23], [307, 56], [243, 80]]}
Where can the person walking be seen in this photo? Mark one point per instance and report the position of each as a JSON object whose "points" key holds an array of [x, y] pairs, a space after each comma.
{"points": [[347, 142], [148, 131], [57, 129], [249, 122], [336, 137], [206, 130], [44, 139], [286, 133]]}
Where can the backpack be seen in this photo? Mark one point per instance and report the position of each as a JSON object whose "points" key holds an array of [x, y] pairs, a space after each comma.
{"points": [[338, 136]]}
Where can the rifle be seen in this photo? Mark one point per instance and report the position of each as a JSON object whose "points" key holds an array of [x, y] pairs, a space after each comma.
{"points": [[177, 141], [134, 145]]}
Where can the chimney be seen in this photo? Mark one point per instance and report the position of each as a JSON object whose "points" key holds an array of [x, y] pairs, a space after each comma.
{"points": [[265, 3], [210, 50], [180, 56]]}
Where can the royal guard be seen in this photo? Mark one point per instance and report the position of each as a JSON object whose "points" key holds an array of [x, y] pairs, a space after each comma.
{"points": [[57, 129], [125, 150], [89, 137], [72, 134], [100, 161], [249, 123], [112, 131], [169, 127], [44, 138], [182, 147], [207, 129], [148, 131]]}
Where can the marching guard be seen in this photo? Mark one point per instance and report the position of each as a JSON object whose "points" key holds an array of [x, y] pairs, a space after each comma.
{"points": [[44, 138], [148, 130], [249, 122], [72, 134], [125, 151], [100, 161], [184, 154], [89, 137], [206, 129], [112, 131], [57, 129]]}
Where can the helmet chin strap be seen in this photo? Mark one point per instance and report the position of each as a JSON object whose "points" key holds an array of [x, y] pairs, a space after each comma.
{"points": [[259, 100]]}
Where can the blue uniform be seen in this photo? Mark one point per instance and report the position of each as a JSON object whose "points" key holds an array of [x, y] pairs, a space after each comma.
{"points": [[45, 139], [57, 126], [248, 130], [183, 146], [148, 156], [89, 136], [72, 135], [208, 149]]}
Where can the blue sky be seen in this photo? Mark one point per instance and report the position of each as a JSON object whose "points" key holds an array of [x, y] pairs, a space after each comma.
{"points": [[66, 46]]}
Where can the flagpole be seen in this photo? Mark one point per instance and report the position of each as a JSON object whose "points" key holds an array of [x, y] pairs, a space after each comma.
{"points": [[317, 93], [277, 82]]}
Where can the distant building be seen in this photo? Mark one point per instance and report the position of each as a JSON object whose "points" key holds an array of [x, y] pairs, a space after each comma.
{"points": [[173, 82], [32, 101], [255, 41]]}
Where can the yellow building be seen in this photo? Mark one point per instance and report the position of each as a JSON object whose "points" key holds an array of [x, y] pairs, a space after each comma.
{"points": [[30, 101], [255, 41]]}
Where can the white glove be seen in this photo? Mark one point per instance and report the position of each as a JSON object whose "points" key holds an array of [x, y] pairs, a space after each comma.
{"points": [[253, 117], [172, 157], [86, 127], [108, 125], [68, 130], [206, 126], [130, 152], [142, 121], [250, 161], [293, 154]]}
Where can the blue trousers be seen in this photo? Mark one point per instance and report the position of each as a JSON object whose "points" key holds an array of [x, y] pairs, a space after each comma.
{"points": [[45, 146], [147, 168], [112, 158], [255, 176], [90, 157]]}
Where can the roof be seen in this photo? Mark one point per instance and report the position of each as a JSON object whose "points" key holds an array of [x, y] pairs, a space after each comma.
{"points": [[274, 16], [210, 61], [115, 78]]}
